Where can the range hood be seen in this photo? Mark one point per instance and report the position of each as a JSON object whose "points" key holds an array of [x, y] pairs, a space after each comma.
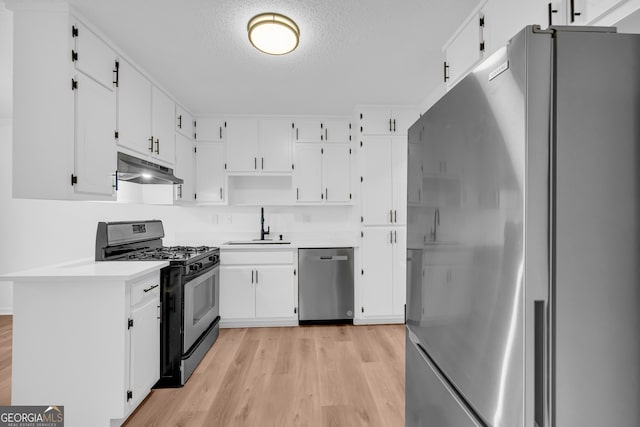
{"points": [[139, 171]]}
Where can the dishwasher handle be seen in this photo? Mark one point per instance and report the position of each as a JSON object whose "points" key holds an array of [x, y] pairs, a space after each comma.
{"points": [[333, 258]]}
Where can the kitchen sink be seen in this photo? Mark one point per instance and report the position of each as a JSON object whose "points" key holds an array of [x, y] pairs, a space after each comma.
{"points": [[258, 242]]}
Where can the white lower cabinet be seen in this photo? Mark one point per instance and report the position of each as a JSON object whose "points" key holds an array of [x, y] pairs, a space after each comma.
{"points": [[382, 275], [258, 288]]}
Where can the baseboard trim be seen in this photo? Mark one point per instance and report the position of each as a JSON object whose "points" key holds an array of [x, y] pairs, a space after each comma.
{"points": [[380, 321], [257, 323], [6, 311]]}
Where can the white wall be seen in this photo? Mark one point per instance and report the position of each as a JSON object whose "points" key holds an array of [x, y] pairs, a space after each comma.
{"points": [[41, 232]]}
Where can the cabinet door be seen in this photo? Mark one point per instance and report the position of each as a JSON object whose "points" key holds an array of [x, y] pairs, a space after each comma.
{"points": [[307, 175], [237, 293], [163, 128], [377, 268], [376, 181], [184, 169], [210, 172], [274, 142], [375, 121], [336, 130], [464, 50], [209, 129], [584, 12], [399, 270], [242, 145], [95, 150], [399, 160], [274, 291], [134, 110], [336, 173], [402, 119], [144, 368], [184, 122], [93, 56], [308, 130]]}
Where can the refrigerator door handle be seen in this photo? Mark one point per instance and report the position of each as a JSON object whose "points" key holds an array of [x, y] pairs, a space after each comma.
{"points": [[540, 387]]}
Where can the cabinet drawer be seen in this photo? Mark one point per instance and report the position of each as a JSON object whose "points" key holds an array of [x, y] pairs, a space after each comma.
{"points": [[145, 289], [256, 257]]}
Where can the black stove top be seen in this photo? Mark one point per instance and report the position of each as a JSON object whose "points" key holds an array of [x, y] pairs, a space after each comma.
{"points": [[183, 254]]}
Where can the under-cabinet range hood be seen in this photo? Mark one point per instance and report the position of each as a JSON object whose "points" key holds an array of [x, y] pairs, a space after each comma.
{"points": [[141, 171]]}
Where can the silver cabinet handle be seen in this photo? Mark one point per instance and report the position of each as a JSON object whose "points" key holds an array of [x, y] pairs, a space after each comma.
{"points": [[252, 271], [220, 193], [257, 277], [395, 216], [390, 215], [262, 163], [326, 194], [255, 163], [391, 237], [151, 144], [157, 146], [395, 235]]}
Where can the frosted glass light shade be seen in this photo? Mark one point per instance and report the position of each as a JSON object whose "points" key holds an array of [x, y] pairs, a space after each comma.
{"points": [[273, 33]]}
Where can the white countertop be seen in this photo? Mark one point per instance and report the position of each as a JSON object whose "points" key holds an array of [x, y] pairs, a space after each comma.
{"points": [[88, 269], [295, 244]]}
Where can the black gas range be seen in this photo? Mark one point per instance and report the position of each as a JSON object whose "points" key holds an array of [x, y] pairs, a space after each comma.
{"points": [[189, 293]]}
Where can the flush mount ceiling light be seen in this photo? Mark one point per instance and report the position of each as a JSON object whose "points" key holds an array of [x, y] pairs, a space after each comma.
{"points": [[273, 33]]}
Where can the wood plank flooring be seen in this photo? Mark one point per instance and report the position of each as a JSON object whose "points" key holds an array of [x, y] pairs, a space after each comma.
{"points": [[303, 376]]}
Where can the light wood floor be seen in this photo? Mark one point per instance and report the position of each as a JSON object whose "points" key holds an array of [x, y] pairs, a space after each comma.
{"points": [[305, 376]]}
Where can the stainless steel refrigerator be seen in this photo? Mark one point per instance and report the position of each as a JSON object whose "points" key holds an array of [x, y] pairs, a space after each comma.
{"points": [[523, 295]]}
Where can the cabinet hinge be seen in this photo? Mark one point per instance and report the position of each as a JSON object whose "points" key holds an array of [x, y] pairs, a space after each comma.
{"points": [[74, 31], [349, 126], [195, 135], [116, 74], [349, 137], [195, 123], [195, 196], [225, 124], [293, 125], [293, 166], [445, 71], [361, 219], [322, 151], [195, 149], [129, 395], [294, 271], [360, 116], [74, 179], [74, 84], [361, 179], [295, 310], [349, 150], [362, 232], [129, 323], [74, 56], [362, 309], [225, 166], [481, 46], [360, 143], [482, 21], [115, 134], [361, 129], [350, 196]]}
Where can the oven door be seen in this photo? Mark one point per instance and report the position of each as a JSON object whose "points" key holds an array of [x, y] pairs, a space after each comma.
{"points": [[201, 305]]}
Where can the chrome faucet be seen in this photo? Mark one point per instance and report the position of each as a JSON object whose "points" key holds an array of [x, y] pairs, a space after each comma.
{"points": [[262, 232], [436, 223]]}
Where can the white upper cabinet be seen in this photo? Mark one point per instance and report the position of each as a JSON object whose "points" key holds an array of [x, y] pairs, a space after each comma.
{"points": [[184, 122], [209, 129], [146, 116], [583, 12], [465, 49], [336, 173], [63, 119], [134, 110], [274, 145], [322, 173], [308, 130], [336, 130], [95, 153], [386, 120], [184, 168], [384, 180], [92, 56], [163, 111], [210, 177], [242, 144]]}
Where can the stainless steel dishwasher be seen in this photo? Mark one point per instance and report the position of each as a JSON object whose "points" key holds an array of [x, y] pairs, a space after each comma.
{"points": [[325, 285]]}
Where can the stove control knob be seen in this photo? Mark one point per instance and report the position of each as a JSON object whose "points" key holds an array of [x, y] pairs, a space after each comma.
{"points": [[193, 267]]}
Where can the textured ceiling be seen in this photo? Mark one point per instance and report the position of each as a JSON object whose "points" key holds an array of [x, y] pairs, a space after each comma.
{"points": [[351, 51]]}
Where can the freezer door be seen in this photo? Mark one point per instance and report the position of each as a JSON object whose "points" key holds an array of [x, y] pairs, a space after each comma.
{"points": [[430, 401], [467, 305]]}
